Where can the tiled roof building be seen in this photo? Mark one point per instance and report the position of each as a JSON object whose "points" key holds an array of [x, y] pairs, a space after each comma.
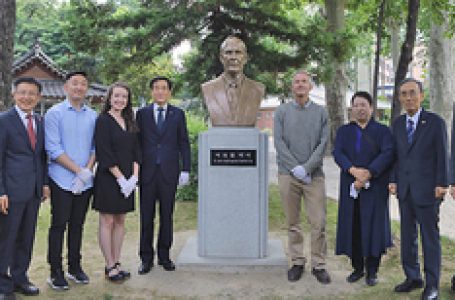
{"points": [[35, 63]]}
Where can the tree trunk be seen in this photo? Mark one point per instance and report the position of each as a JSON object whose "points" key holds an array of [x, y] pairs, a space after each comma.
{"points": [[335, 89], [406, 54], [395, 40], [442, 78], [7, 28], [377, 56]]}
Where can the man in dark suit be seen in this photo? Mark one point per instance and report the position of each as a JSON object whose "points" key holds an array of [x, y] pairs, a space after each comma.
{"points": [[23, 183], [164, 141], [420, 179]]}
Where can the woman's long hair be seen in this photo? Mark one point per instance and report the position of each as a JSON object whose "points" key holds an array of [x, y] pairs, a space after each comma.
{"points": [[127, 112]]}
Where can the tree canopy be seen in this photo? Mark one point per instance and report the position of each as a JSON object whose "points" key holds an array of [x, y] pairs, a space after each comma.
{"points": [[133, 32], [110, 40]]}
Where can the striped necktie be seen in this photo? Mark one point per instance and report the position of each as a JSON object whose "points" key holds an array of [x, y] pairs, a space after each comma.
{"points": [[410, 130]]}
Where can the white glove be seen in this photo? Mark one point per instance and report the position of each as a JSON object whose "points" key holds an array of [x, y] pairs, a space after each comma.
{"points": [[123, 183], [133, 181], [353, 192], [131, 185], [307, 179], [300, 173], [77, 185], [85, 175], [184, 178]]}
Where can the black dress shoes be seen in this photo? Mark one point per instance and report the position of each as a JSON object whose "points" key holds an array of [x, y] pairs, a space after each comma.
{"points": [[371, 279], [168, 265], [355, 276], [430, 294], [409, 285], [116, 277], [321, 275], [453, 283], [124, 273], [28, 289], [295, 273], [144, 268]]}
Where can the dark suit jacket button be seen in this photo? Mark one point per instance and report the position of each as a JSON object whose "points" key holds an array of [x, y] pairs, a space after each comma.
{"points": [[159, 146]]}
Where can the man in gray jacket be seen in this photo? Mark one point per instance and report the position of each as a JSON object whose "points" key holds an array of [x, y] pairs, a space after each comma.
{"points": [[301, 134]]}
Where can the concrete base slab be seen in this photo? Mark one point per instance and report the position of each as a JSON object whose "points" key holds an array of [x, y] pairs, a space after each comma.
{"points": [[189, 257]]}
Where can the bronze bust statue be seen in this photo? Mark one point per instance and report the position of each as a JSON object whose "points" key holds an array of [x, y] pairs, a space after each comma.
{"points": [[232, 99]]}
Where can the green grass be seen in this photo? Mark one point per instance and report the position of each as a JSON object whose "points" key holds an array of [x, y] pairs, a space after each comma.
{"points": [[276, 214], [185, 218]]}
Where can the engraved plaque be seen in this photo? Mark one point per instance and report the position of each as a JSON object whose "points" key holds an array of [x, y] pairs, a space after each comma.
{"points": [[233, 157]]}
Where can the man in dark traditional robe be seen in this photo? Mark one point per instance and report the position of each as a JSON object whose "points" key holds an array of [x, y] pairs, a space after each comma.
{"points": [[364, 153]]}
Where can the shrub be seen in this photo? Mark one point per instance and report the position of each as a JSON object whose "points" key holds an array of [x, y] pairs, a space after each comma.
{"points": [[195, 125]]}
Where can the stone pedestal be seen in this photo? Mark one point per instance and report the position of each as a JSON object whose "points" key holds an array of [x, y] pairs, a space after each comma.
{"points": [[233, 193]]}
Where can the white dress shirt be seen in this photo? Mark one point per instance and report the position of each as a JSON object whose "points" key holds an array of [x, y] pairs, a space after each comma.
{"points": [[156, 112], [414, 118], [24, 119]]}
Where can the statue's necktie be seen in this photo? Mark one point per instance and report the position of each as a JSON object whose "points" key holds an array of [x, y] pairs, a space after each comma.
{"points": [[410, 130], [232, 95], [30, 131]]}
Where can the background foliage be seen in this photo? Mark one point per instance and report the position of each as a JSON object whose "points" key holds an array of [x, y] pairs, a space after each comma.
{"points": [[195, 126]]}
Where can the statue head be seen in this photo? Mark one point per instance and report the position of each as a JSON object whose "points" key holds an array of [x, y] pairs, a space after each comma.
{"points": [[233, 55]]}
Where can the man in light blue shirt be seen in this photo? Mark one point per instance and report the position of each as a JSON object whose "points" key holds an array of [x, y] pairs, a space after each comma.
{"points": [[69, 144]]}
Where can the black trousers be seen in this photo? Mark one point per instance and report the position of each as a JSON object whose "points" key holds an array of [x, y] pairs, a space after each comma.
{"points": [[17, 234], [159, 190], [67, 210], [358, 261], [426, 218]]}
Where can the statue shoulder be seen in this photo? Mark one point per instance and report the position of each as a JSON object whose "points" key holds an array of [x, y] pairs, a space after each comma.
{"points": [[256, 85], [211, 84]]}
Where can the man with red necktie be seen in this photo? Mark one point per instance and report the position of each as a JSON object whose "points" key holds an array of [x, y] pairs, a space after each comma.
{"points": [[23, 184]]}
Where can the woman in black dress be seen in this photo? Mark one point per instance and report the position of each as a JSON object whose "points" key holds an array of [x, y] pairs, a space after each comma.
{"points": [[117, 153]]}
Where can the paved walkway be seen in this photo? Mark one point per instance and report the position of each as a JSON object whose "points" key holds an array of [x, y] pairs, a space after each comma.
{"points": [[331, 170]]}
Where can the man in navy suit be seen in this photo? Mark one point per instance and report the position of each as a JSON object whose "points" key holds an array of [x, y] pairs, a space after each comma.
{"points": [[420, 179], [23, 184], [165, 163]]}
